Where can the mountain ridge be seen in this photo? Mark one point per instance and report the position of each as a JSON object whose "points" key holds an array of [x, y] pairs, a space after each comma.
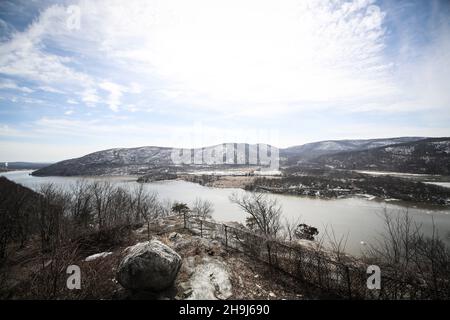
{"points": [[427, 156], [152, 159]]}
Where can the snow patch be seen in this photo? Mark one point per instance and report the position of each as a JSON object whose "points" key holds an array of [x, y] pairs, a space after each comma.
{"points": [[97, 256], [210, 280]]}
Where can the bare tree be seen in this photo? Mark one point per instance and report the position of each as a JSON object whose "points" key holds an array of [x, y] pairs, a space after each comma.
{"points": [[289, 228], [202, 208], [166, 207], [102, 201], [17, 220], [151, 209], [138, 200], [51, 208], [406, 253], [396, 244], [264, 212], [336, 243], [81, 205]]}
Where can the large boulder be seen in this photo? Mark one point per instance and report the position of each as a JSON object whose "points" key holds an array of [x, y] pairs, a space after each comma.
{"points": [[149, 265]]}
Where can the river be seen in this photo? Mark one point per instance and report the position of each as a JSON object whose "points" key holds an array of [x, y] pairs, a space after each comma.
{"points": [[357, 219]]}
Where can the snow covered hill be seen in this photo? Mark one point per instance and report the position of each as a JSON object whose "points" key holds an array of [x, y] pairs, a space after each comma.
{"points": [[152, 160], [412, 154], [429, 156], [309, 151]]}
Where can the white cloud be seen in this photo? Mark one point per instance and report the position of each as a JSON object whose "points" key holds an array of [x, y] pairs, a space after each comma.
{"points": [[50, 89], [90, 97], [115, 93], [214, 55], [71, 101], [225, 54], [9, 84], [23, 55], [262, 51], [224, 59]]}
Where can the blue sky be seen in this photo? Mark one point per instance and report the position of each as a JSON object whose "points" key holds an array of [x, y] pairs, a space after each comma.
{"points": [[81, 76]]}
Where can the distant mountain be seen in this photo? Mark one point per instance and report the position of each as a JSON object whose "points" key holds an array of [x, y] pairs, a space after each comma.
{"points": [[376, 154], [309, 151], [145, 160], [23, 165], [428, 156]]}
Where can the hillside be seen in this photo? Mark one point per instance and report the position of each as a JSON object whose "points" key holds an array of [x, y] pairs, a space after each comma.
{"points": [[145, 160], [428, 156], [376, 154], [309, 151]]}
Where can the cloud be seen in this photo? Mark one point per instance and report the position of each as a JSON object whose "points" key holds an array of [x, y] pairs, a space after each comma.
{"points": [[321, 51], [115, 93], [222, 55], [9, 84], [90, 97], [50, 89], [254, 63]]}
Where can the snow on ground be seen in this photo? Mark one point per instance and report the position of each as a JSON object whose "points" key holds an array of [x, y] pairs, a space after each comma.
{"points": [[268, 173], [210, 279], [97, 256], [401, 150], [441, 184], [386, 173], [219, 173]]}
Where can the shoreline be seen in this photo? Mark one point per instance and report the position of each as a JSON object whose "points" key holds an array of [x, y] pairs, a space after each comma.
{"points": [[252, 183]]}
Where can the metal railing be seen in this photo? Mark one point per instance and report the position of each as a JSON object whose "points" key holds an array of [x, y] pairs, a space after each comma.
{"points": [[346, 277]]}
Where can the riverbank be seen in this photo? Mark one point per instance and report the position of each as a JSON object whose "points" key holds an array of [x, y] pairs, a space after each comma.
{"points": [[333, 185], [383, 187]]}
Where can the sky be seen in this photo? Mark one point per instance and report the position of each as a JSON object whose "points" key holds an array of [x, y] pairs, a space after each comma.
{"points": [[82, 76]]}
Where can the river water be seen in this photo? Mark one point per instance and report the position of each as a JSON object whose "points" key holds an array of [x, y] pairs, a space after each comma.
{"points": [[357, 219]]}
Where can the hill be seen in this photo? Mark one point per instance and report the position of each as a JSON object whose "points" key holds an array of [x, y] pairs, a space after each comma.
{"points": [[428, 156], [309, 151], [154, 160]]}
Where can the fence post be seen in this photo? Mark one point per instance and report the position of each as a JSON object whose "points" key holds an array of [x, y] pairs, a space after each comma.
{"points": [[201, 228], [319, 272], [349, 284], [269, 254], [226, 236], [299, 257]]}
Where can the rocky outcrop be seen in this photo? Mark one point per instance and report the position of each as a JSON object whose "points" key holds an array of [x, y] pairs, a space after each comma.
{"points": [[209, 279], [150, 265]]}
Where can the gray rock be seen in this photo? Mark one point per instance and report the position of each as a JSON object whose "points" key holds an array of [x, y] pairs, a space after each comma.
{"points": [[149, 265], [174, 236], [209, 279]]}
